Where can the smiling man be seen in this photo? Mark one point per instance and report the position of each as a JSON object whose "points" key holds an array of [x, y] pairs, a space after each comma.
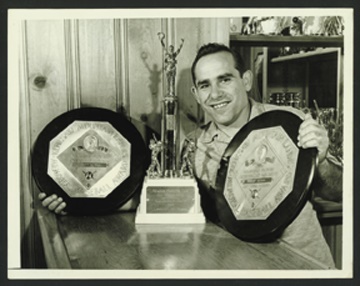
{"points": [[221, 86], [221, 91]]}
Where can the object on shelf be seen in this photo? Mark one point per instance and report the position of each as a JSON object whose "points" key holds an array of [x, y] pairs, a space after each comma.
{"points": [[296, 26], [334, 26], [285, 51], [293, 99], [263, 25], [289, 25], [292, 53], [324, 25]]}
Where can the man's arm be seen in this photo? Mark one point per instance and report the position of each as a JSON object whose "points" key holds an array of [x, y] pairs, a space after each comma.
{"points": [[57, 205], [328, 178]]}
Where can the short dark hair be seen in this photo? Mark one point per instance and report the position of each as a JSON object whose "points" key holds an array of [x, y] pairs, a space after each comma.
{"points": [[213, 48]]}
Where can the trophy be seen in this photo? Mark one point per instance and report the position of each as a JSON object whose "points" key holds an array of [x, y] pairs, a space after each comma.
{"points": [[170, 193]]}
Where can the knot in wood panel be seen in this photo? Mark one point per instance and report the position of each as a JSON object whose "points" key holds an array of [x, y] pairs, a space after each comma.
{"points": [[40, 81]]}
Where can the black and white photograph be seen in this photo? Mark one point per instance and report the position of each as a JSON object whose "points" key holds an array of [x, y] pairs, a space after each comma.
{"points": [[180, 143]]}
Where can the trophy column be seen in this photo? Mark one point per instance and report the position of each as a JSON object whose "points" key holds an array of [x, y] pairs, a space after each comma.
{"points": [[170, 136], [169, 195]]}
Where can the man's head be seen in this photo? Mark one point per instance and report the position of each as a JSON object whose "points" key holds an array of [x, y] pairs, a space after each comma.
{"points": [[213, 48], [221, 84]]}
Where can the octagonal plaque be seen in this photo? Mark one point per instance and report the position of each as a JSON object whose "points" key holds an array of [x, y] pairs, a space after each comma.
{"points": [[263, 179], [261, 173], [94, 158]]}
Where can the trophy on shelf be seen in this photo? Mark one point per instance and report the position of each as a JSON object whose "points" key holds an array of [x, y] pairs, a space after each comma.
{"points": [[170, 193]]}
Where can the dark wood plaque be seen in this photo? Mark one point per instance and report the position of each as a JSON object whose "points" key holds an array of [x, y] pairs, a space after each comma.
{"points": [[94, 158], [264, 178]]}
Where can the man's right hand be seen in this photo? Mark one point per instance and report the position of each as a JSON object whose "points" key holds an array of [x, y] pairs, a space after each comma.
{"points": [[53, 203]]}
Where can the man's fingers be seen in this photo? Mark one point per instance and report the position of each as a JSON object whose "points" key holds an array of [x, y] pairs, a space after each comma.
{"points": [[54, 204], [47, 201], [41, 196], [309, 122], [308, 143], [60, 208]]}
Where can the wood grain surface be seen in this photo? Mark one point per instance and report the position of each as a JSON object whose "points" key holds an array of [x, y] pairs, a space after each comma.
{"points": [[115, 242]]}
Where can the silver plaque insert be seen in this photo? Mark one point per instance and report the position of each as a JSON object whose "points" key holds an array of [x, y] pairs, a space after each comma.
{"points": [[261, 173], [89, 159]]}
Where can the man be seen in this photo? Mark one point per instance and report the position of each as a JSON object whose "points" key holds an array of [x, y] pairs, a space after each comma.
{"points": [[220, 87]]}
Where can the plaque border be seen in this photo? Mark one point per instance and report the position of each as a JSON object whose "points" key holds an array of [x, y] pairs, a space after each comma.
{"points": [[139, 160], [288, 209]]}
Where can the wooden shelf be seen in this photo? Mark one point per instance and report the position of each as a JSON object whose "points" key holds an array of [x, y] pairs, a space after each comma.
{"points": [[305, 55], [268, 40]]}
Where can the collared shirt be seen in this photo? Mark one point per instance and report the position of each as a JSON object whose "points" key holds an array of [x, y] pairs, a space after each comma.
{"points": [[304, 232], [212, 142]]}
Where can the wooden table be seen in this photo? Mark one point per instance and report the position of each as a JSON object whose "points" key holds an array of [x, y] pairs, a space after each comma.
{"points": [[115, 242]]}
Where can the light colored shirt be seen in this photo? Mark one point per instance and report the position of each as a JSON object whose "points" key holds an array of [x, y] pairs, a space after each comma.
{"points": [[304, 233]]}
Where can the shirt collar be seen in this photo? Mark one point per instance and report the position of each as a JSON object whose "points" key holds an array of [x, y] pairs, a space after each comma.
{"points": [[214, 132], [256, 109]]}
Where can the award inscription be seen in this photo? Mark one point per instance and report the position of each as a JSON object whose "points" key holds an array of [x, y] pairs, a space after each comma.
{"points": [[89, 159], [261, 173], [170, 199]]}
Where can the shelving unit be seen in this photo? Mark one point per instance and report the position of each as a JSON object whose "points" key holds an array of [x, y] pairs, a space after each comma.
{"points": [[276, 40], [310, 61], [326, 45], [317, 52]]}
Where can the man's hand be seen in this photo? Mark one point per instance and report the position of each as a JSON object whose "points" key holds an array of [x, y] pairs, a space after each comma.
{"points": [[312, 134], [53, 203]]}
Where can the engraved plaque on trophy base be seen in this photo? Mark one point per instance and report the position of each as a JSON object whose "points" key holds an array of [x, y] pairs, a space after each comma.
{"points": [[169, 201]]}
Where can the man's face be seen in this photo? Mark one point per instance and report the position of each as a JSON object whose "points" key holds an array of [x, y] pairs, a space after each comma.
{"points": [[220, 90]]}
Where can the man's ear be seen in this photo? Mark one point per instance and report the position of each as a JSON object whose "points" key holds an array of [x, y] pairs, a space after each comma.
{"points": [[248, 80], [195, 94]]}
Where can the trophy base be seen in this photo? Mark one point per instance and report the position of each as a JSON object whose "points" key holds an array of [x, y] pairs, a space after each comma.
{"points": [[169, 201]]}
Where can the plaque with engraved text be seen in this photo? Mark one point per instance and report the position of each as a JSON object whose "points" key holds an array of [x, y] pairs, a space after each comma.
{"points": [[170, 200], [93, 158], [264, 178]]}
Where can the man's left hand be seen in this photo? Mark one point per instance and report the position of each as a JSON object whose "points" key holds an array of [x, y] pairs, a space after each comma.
{"points": [[312, 134]]}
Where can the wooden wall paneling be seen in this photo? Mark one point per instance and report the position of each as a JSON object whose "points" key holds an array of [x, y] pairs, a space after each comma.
{"points": [[43, 98], [97, 63], [72, 61], [46, 73], [26, 211], [145, 71], [121, 66], [203, 31]]}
